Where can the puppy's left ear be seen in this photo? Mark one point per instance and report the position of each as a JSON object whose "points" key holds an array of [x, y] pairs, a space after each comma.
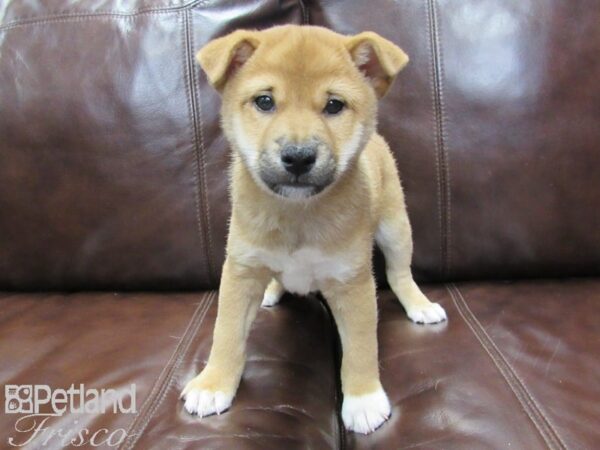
{"points": [[377, 58], [221, 58]]}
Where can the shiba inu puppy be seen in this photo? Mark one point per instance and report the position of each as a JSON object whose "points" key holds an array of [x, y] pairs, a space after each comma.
{"points": [[312, 184]]}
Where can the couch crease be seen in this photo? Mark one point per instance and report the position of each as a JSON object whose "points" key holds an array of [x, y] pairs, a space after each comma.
{"points": [[515, 383]]}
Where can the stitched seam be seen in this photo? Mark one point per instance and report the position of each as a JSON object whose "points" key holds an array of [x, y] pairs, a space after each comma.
{"points": [[192, 108], [75, 20], [305, 13], [444, 137], [165, 379], [441, 138], [66, 16], [436, 124], [171, 378], [516, 384], [201, 152], [501, 368], [556, 436]]}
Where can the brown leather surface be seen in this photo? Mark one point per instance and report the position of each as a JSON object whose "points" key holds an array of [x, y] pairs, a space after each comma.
{"points": [[502, 373], [515, 366], [445, 391], [113, 176], [159, 341], [547, 334], [101, 340], [105, 145], [112, 160], [494, 127], [287, 397], [521, 109], [24, 11]]}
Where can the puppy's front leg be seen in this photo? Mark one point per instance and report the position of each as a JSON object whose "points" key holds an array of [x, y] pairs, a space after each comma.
{"points": [[354, 307], [241, 290]]}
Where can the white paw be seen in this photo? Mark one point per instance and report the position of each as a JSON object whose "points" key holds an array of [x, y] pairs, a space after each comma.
{"points": [[430, 313], [204, 402], [365, 413], [270, 299]]}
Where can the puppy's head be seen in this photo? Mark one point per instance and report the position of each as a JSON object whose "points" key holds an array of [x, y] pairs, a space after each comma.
{"points": [[299, 103]]}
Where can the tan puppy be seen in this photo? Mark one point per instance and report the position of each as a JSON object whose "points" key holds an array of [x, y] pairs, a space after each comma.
{"points": [[312, 185]]}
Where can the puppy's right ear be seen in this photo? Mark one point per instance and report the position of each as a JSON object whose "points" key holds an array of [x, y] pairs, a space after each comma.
{"points": [[222, 57]]}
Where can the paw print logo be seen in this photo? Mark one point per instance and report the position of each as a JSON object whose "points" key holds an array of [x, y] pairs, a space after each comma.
{"points": [[18, 399]]}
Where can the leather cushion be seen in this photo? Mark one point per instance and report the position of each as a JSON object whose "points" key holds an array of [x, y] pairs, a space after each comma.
{"points": [[158, 342], [515, 366]]}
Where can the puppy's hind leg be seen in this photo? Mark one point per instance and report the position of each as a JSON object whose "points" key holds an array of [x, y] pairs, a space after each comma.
{"points": [[394, 238], [273, 294]]}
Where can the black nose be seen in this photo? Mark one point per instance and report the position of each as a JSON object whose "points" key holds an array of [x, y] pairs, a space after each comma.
{"points": [[298, 160]]}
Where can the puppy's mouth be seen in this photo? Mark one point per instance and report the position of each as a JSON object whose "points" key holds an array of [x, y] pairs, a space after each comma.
{"points": [[293, 187], [296, 190]]}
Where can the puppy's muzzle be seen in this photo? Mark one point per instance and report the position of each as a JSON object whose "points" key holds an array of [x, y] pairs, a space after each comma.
{"points": [[297, 170], [298, 160]]}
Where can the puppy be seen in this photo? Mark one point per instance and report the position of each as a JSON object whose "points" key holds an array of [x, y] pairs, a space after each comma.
{"points": [[312, 184]]}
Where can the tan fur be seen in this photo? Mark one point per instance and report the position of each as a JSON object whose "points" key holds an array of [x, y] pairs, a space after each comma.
{"points": [[302, 67]]}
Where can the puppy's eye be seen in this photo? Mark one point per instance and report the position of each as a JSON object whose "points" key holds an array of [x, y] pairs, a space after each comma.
{"points": [[265, 103], [334, 106]]}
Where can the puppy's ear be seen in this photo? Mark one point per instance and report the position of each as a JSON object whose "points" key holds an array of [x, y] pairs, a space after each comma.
{"points": [[222, 57], [377, 58]]}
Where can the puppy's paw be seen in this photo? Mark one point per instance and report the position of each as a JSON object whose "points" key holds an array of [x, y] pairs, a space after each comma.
{"points": [[270, 299], [273, 294], [365, 413], [427, 313], [203, 401]]}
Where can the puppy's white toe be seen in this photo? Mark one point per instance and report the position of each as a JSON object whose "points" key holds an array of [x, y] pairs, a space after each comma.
{"points": [[365, 413], [204, 402], [430, 313], [270, 299]]}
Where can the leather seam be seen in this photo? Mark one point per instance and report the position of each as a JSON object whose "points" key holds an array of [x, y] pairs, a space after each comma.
{"points": [[444, 137], [439, 116], [433, 87], [192, 109], [66, 16], [201, 153], [305, 12], [166, 377], [514, 381]]}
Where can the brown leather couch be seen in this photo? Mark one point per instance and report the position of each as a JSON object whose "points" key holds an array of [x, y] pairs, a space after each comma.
{"points": [[113, 213]]}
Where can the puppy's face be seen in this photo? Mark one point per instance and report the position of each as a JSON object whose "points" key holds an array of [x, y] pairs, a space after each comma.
{"points": [[299, 103]]}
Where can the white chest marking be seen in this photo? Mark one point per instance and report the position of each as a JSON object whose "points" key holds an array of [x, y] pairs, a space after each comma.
{"points": [[302, 270]]}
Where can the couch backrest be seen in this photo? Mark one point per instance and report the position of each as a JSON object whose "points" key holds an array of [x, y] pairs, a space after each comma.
{"points": [[113, 168], [496, 128]]}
